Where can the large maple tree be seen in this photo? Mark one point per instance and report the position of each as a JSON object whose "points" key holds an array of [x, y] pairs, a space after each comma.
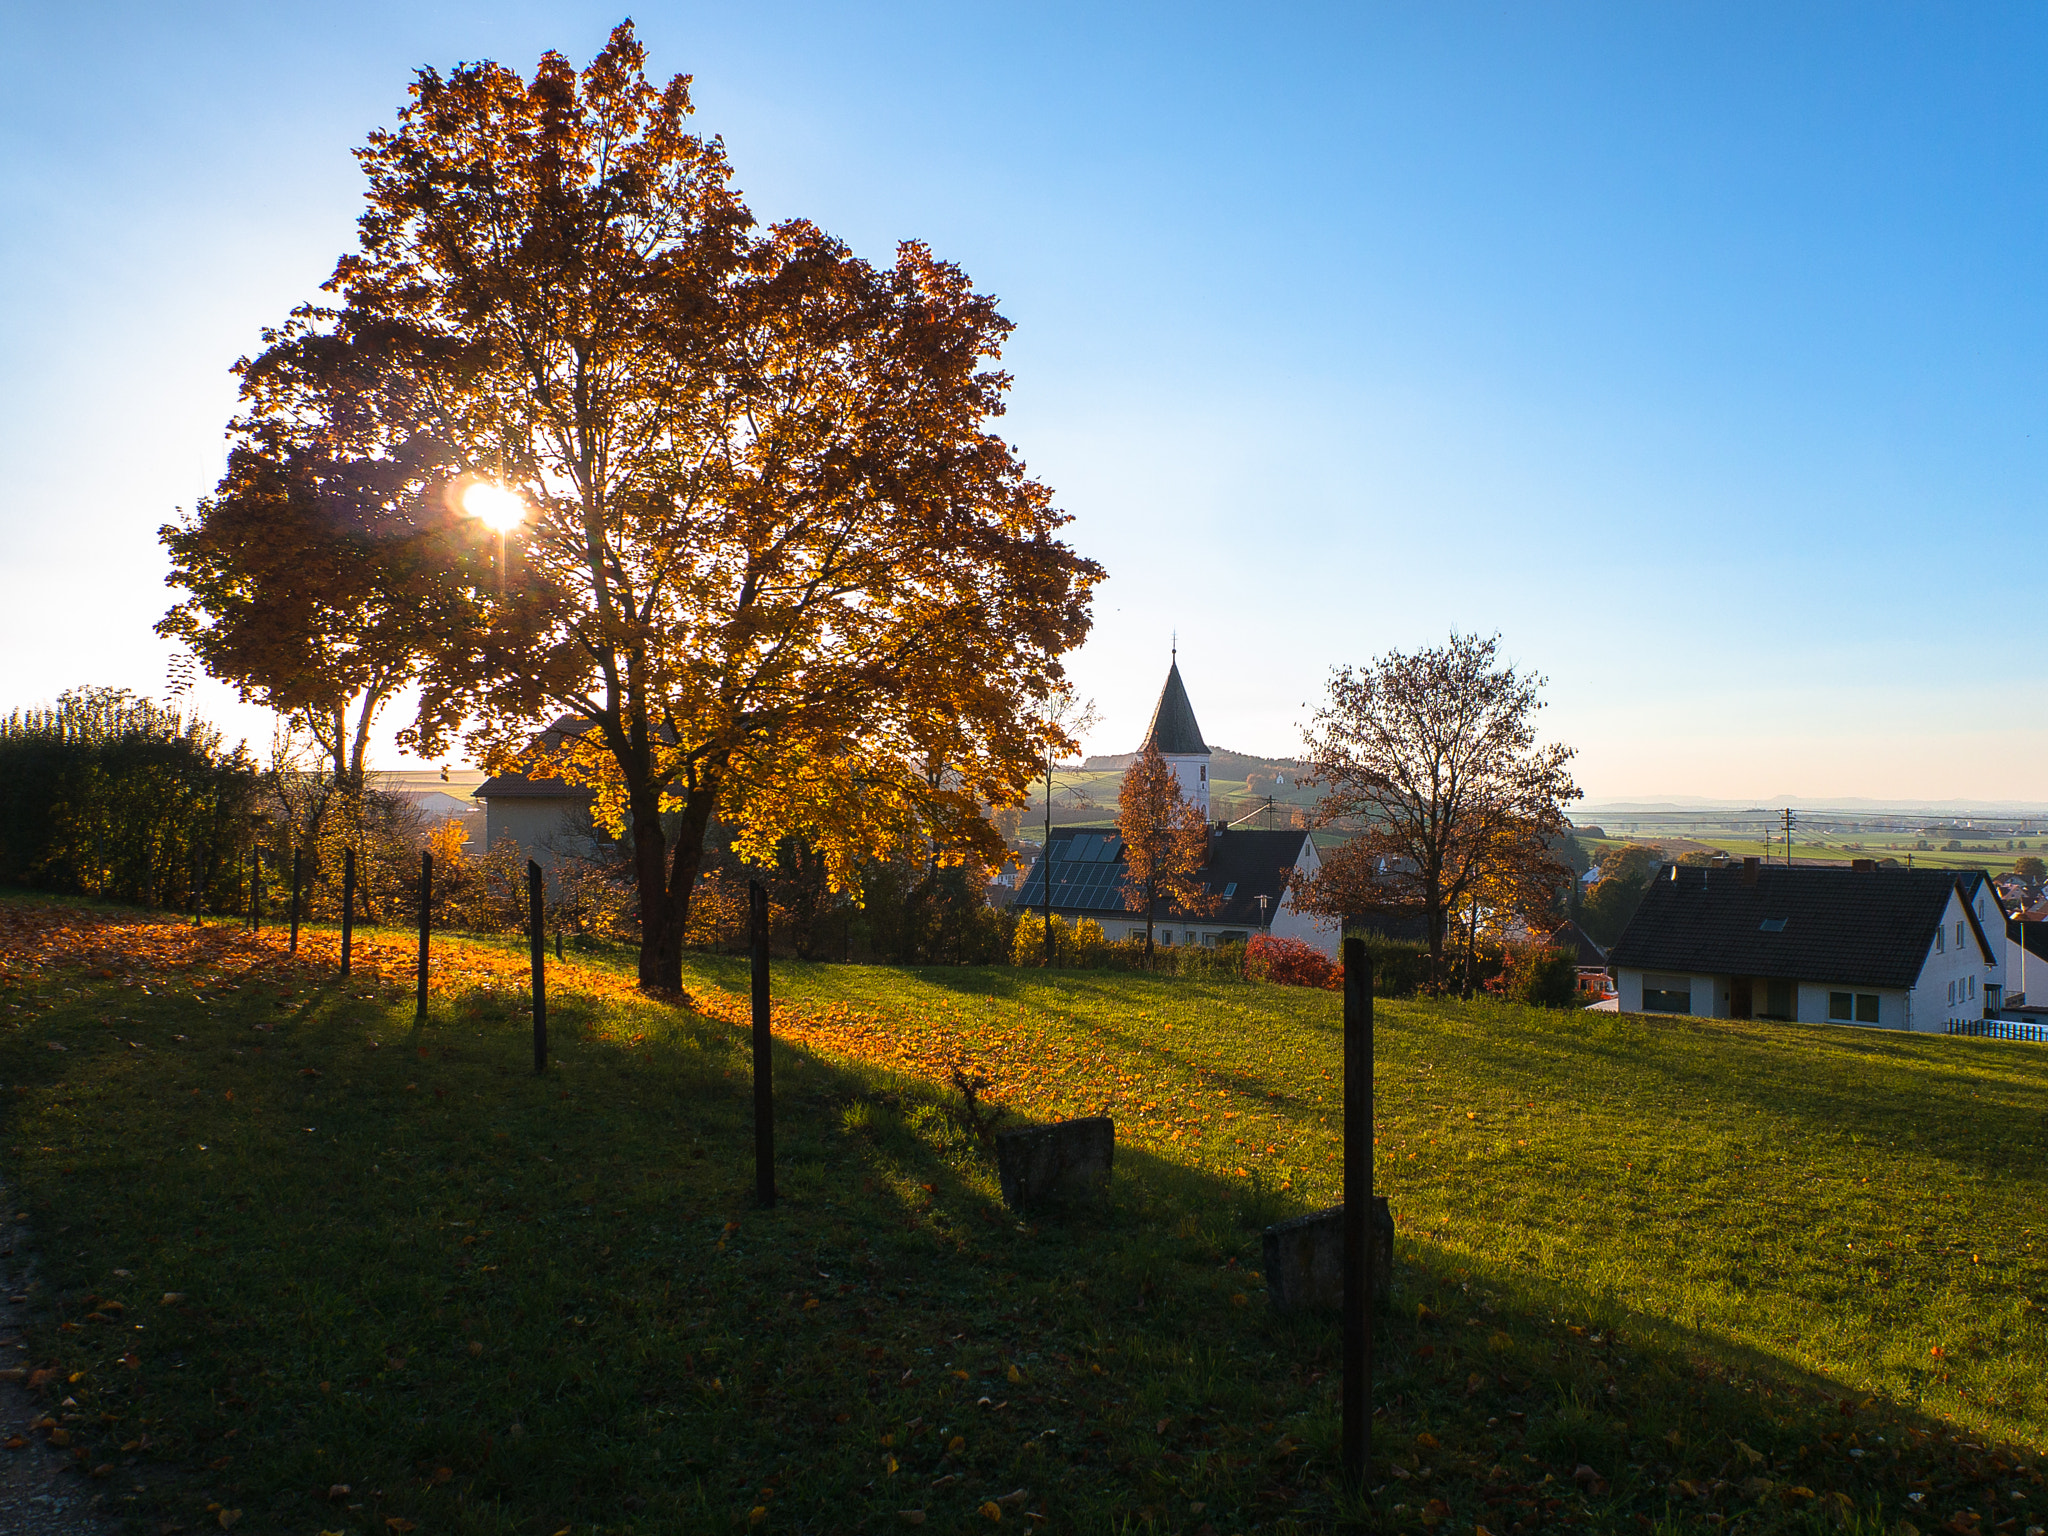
{"points": [[776, 568]]}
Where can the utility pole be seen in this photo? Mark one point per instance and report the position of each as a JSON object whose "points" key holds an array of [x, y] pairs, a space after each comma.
{"points": [[1788, 837], [1045, 860]]}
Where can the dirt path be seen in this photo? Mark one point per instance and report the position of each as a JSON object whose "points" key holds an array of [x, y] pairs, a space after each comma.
{"points": [[43, 1492]]}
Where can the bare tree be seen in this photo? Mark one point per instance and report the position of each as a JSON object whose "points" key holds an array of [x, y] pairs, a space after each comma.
{"points": [[1435, 754]]}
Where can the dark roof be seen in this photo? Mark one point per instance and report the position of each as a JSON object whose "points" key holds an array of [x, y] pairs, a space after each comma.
{"points": [[1569, 935], [1088, 876], [517, 786], [1869, 926], [2033, 935], [1173, 730]]}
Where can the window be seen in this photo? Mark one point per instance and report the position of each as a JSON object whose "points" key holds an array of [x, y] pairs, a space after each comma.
{"points": [[1951, 994], [1866, 1007], [1166, 937], [1973, 989], [1771, 925], [1205, 773], [1667, 994], [1842, 1005], [1941, 941], [1230, 890]]}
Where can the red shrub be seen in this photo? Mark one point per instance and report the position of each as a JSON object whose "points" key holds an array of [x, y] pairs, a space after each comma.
{"points": [[1291, 963]]}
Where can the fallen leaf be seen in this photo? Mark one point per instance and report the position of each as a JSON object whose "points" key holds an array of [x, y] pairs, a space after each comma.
{"points": [[171, 1298], [400, 1524], [1019, 1495], [991, 1510], [1754, 1457], [757, 1514], [956, 1445], [1015, 1374], [228, 1517], [911, 1516], [1426, 1441]]}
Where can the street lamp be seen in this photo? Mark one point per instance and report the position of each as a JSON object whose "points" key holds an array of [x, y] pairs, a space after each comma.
{"points": [[498, 509]]}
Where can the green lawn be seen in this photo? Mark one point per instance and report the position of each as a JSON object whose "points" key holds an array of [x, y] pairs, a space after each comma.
{"points": [[1839, 850], [1653, 1274]]}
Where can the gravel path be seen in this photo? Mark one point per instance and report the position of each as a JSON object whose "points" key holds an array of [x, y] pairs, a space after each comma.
{"points": [[40, 1494]]}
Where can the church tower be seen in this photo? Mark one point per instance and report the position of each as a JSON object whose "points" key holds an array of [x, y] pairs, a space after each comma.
{"points": [[1179, 739]]}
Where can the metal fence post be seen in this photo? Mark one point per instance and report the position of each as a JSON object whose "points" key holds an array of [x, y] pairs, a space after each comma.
{"points": [[535, 883], [1359, 1212], [297, 864], [426, 915], [256, 890], [764, 1078], [348, 904]]}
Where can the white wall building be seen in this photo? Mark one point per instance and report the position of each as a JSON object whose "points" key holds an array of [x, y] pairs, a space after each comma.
{"points": [[1883, 948]]}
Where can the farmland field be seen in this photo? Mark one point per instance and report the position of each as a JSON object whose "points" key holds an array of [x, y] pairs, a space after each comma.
{"points": [[1653, 1273]]}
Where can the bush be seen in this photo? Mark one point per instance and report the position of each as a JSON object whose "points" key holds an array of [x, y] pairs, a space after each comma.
{"points": [[1538, 975], [1400, 967], [1027, 944], [1290, 963], [111, 795]]}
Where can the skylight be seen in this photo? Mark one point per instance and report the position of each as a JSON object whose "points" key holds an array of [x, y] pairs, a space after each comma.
{"points": [[1772, 925]]}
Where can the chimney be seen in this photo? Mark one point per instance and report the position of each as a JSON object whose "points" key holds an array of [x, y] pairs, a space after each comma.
{"points": [[1750, 869], [1864, 866]]}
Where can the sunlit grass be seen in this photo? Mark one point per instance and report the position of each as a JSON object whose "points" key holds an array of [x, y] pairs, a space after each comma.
{"points": [[1667, 1252]]}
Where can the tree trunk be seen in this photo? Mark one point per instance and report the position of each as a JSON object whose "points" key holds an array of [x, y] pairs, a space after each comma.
{"points": [[688, 858], [650, 876]]}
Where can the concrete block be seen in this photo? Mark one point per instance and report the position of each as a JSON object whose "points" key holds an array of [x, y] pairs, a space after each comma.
{"points": [[1044, 1164], [1305, 1259]]}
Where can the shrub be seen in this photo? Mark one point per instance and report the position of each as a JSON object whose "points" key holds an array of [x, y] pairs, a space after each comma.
{"points": [[1027, 944], [1290, 963], [1539, 975], [1399, 966]]}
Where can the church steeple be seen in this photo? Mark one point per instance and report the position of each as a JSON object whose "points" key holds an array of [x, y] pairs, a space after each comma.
{"points": [[1178, 738]]}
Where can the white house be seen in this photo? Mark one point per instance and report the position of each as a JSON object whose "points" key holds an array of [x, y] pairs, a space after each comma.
{"points": [[1889, 948], [546, 817]]}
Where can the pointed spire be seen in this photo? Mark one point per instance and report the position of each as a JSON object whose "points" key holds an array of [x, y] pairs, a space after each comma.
{"points": [[1173, 730]]}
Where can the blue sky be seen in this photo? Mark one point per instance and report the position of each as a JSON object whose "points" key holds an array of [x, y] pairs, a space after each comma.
{"points": [[1699, 350]]}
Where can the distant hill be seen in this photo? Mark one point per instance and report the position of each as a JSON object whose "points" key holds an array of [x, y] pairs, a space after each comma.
{"points": [[1223, 763]]}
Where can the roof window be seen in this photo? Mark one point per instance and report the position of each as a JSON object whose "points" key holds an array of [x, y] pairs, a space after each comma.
{"points": [[1771, 925], [1230, 890]]}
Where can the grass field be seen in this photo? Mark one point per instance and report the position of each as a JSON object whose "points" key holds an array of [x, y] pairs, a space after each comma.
{"points": [[1839, 850], [1653, 1274]]}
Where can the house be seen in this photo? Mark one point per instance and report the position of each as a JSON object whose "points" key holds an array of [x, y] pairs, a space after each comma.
{"points": [[1894, 948], [546, 817], [2026, 964], [1594, 979], [1248, 874]]}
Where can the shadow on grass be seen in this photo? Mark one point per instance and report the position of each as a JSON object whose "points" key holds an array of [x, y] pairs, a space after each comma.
{"points": [[486, 1300]]}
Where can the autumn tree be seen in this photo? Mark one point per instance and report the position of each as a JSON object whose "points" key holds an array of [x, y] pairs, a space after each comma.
{"points": [[1165, 842], [776, 568], [1434, 754], [318, 576], [2030, 869]]}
